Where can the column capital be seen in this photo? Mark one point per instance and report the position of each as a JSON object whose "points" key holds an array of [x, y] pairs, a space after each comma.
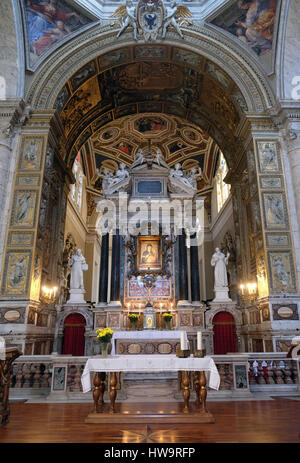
{"points": [[13, 115]]}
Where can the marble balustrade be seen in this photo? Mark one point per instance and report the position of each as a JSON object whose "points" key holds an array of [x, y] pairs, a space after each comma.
{"points": [[32, 375]]}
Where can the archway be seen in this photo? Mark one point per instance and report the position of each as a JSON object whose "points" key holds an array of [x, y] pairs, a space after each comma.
{"points": [[74, 329], [83, 100], [224, 333]]}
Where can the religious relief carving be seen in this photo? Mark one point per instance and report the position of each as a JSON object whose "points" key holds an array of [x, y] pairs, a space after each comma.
{"points": [[268, 159], [16, 273], [151, 19], [282, 271]]}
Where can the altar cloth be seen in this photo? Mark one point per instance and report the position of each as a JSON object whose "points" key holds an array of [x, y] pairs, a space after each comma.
{"points": [[149, 363], [145, 334]]}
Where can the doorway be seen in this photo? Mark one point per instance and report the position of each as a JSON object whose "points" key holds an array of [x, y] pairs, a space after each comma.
{"points": [[74, 330], [225, 339]]}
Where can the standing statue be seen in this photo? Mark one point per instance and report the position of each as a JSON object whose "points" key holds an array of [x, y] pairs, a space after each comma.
{"points": [[175, 16], [78, 264], [220, 261], [127, 16]]}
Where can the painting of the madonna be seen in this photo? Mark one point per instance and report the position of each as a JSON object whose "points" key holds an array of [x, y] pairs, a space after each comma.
{"points": [[149, 253]]}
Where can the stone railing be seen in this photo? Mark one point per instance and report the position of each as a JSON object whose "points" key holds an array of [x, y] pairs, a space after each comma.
{"points": [[58, 378]]}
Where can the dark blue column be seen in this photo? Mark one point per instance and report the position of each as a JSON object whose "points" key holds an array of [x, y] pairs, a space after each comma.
{"points": [[115, 268], [104, 269], [195, 285], [183, 291]]}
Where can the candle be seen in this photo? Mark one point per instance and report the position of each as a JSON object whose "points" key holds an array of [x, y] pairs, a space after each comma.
{"points": [[182, 340], [199, 340]]}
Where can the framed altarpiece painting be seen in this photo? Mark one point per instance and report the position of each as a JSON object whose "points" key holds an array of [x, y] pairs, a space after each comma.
{"points": [[149, 255]]}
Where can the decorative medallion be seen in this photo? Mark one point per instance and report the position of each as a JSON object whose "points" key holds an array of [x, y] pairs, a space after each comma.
{"points": [[151, 18]]}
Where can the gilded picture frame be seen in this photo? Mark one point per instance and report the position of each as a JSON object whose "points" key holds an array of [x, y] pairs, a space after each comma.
{"points": [[149, 256]]}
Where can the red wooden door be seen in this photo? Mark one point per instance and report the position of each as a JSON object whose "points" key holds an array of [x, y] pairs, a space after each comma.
{"points": [[224, 333], [74, 329]]}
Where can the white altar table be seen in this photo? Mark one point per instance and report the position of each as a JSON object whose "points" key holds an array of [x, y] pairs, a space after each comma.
{"points": [[150, 363], [145, 335]]}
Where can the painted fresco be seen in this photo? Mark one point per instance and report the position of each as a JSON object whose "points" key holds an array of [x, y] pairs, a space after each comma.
{"points": [[252, 22], [48, 22]]}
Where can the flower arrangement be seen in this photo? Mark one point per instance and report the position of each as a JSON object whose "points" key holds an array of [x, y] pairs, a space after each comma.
{"points": [[133, 317], [104, 334], [167, 316]]}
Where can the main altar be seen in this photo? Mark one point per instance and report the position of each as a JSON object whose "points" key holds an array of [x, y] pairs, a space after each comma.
{"points": [[102, 412], [149, 220]]}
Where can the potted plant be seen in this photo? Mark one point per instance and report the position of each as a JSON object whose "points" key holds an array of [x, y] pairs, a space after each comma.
{"points": [[167, 316], [104, 335], [133, 318]]}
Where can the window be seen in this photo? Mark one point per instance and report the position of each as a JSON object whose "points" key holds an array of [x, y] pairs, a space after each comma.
{"points": [[223, 189]]}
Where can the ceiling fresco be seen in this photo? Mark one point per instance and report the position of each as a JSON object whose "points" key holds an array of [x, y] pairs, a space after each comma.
{"points": [[149, 79], [182, 102], [178, 140]]}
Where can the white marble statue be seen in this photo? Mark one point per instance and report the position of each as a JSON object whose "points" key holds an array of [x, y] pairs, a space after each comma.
{"points": [[128, 17], [193, 175], [171, 19], [220, 261], [179, 174], [107, 179], [159, 159], [78, 264], [139, 158], [120, 174]]}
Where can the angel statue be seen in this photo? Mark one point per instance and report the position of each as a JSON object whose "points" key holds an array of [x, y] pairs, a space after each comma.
{"points": [[107, 179], [126, 16], [175, 15]]}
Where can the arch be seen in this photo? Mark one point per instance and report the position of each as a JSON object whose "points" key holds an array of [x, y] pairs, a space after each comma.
{"points": [[225, 339], [245, 71], [74, 331]]}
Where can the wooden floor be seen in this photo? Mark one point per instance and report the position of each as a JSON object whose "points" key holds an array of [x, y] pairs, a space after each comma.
{"points": [[272, 421]]}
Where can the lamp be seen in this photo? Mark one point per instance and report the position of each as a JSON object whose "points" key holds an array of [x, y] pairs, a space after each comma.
{"points": [[248, 292], [48, 294]]}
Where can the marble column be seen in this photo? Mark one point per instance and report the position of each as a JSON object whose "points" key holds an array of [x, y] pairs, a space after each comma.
{"points": [[115, 269], [194, 266], [182, 270], [103, 270]]}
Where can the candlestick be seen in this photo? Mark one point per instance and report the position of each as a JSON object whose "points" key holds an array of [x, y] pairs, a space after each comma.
{"points": [[199, 340], [182, 340]]}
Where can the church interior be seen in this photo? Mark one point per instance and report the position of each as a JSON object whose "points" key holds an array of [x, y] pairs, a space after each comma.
{"points": [[149, 228]]}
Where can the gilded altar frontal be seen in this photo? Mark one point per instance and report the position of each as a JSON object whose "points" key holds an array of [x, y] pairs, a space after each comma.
{"points": [[149, 201]]}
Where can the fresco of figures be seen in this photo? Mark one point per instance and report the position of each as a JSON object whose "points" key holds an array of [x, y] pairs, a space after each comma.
{"points": [[252, 22], [48, 22]]}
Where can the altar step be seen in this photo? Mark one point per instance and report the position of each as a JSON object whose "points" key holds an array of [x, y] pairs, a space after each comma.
{"points": [[150, 387]]}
